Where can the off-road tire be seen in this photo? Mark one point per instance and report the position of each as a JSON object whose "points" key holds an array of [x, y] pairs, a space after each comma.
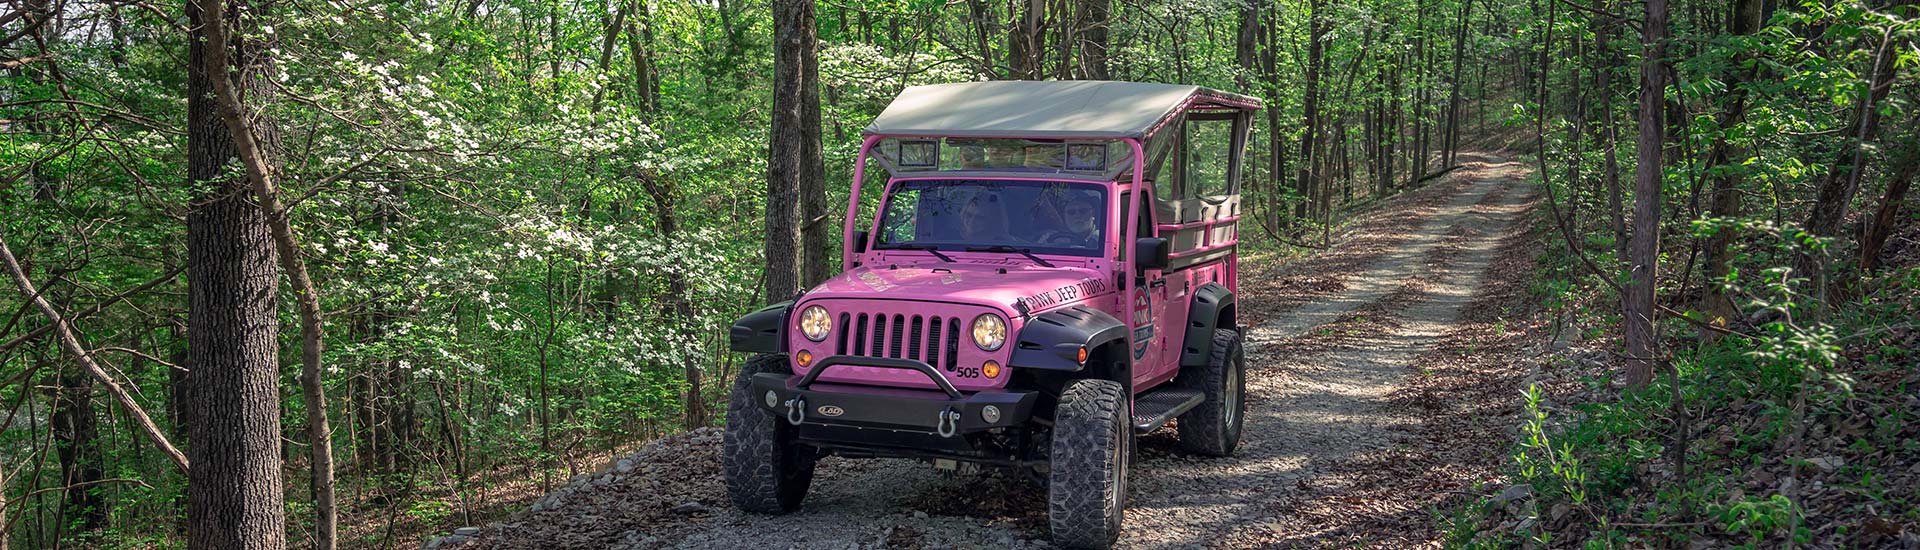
{"points": [[767, 470], [1087, 480], [1212, 428]]}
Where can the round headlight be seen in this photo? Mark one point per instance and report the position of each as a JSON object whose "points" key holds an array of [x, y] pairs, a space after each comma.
{"points": [[989, 331], [814, 323]]}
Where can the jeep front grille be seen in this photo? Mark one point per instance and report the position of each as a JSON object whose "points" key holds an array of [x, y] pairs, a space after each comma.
{"points": [[935, 340]]}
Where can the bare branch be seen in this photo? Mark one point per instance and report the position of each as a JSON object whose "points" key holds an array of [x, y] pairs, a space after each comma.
{"points": [[85, 359]]}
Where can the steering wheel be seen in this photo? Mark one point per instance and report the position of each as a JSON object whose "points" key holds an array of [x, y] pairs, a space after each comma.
{"points": [[1061, 237]]}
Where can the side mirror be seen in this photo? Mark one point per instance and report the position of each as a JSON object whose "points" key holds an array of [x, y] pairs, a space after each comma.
{"points": [[860, 241], [1151, 252]]}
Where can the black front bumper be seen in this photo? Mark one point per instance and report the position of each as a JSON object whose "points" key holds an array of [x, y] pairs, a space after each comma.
{"points": [[843, 415]]}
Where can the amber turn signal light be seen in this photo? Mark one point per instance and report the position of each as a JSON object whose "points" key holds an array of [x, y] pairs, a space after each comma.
{"points": [[804, 357], [991, 369], [1082, 357]]}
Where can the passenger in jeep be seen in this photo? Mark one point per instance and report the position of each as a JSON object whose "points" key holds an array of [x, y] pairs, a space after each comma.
{"points": [[1078, 216], [984, 219]]}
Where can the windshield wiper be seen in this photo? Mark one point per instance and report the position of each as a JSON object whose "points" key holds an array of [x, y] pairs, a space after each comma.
{"points": [[1028, 252], [930, 249]]}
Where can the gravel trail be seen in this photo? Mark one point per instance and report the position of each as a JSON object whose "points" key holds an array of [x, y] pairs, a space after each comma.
{"points": [[1318, 384]]}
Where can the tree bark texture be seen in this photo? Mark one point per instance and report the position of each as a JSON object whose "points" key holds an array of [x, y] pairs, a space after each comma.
{"points": [[255, 143], [792, 145], [1644, 250], [234, 494], [817, 230]]}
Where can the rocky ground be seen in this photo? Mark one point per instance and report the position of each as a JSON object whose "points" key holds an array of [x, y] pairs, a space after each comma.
{"points": [[1371, 400]]}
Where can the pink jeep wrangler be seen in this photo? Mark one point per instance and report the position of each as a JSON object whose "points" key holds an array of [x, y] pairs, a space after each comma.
{"points": [[1050, 272]]}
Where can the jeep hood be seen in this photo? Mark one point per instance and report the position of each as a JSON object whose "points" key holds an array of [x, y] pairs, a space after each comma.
{"points": [[1040, 288]]}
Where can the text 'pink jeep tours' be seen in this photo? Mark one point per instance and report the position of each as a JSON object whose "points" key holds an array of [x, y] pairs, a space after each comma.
{"points": [[1051, 272]]}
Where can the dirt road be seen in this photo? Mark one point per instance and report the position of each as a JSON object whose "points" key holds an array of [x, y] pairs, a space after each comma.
{"points": [[1321, 371]]}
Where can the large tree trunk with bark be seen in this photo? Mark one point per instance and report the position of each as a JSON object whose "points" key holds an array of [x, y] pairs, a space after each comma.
{"points": [[816, 229], [1645, 248], [793, 153], [255, 142], [234, 495]]}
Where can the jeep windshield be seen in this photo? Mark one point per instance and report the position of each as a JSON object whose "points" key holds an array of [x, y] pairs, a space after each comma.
{"points": [[1007, 216]]}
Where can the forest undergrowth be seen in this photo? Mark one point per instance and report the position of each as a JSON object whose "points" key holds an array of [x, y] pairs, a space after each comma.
{"points": [[1794, 434]]}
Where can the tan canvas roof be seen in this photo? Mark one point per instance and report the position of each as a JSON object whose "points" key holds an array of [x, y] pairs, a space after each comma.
{"points": [[1065, 109]]}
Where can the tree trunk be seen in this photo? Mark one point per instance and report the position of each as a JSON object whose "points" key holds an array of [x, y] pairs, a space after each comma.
{"points": [[1029, 42], [1903, 163], [1096, 15], [1310, 118], [610, 33], [254, 142], [667, 222], [1243, 46], [816, 230], [1611, 172], [69, 390], [646, 83], [1840, 184], [1724, 196], [1276, 142], [1645, 248], [76, 442], [234, 490], [983, 29], [1417, 155], [1391, 124], [787, 157], [1453, 97]]}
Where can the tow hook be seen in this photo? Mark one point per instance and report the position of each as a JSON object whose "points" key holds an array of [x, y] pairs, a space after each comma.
{"points": [[948, 422], [796, 410]]}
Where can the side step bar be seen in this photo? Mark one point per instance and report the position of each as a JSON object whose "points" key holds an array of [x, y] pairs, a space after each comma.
{"points": [[1158, 407]]}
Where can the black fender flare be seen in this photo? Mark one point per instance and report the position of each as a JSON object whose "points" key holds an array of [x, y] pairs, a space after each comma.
{"points": [[762, 330], [1053, 340], [1212, 306]]}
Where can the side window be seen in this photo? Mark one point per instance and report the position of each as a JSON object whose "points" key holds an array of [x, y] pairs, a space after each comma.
{"points": [[1143, 229], [1209, 147], [1168, 183]]}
